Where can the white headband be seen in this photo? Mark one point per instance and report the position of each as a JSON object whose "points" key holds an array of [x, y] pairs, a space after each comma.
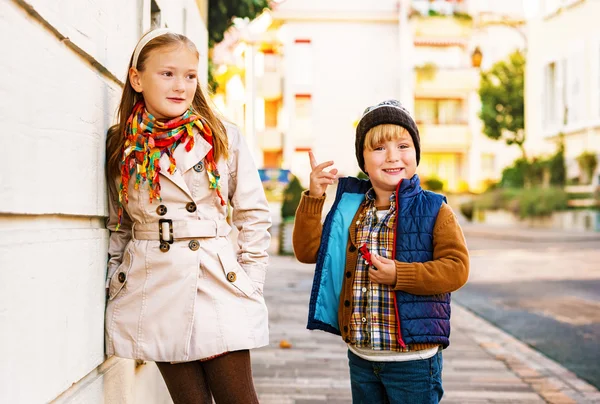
{"points": [[144, 41]]}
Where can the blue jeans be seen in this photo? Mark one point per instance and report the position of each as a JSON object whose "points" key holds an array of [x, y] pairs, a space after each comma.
{"points": [[418, 381]]}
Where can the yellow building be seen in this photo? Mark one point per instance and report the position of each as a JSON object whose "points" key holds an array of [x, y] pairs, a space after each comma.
{"points": [[445, 83], [448, 53]]}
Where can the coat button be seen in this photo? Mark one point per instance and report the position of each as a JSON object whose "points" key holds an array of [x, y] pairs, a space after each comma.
{"points": [[345, 328], [347, 303], [194, 245], [348, 274], [352, 248], [199, 167], [164, 246], [190, 207], [348, 339], [122, 277], [161, 210], [231, 276]]}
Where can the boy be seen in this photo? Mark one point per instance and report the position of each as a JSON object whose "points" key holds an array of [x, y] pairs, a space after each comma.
{"points": [[388, 255]]}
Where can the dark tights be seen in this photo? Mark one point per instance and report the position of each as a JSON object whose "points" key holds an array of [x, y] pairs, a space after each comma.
{"points": [[227, 377]]}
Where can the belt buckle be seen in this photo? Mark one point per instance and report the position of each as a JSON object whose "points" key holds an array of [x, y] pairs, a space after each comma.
{"points": [[160, 231]]}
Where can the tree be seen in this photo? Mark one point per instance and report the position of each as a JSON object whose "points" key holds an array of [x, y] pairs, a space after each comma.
{"points": [[588, 162], [502, 104], [222, 12], [220, 18], [556, 165], [291, 198]]}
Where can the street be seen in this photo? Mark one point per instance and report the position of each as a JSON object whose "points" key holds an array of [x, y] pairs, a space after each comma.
{"points": [[545, 293]]}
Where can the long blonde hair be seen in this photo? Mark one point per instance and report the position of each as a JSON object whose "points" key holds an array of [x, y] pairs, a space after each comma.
{"points": [[115, 137]]}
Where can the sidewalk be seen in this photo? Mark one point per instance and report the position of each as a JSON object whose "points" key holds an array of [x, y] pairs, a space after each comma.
{"points": [[526, 234], [482, 365]]}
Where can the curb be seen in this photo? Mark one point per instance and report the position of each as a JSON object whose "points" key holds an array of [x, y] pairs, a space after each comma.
{"points": [[553, 382], [528, 235]]}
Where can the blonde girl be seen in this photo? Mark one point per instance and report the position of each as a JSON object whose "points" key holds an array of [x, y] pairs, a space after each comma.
{"points": [[178, 294]]}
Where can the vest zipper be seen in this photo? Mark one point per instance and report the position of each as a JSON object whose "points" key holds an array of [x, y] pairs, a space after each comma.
{"points": [[400, 339]]}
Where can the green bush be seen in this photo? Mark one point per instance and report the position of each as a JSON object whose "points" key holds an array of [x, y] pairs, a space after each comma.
{"points": [[557, 167], [535, 171], [362, 176], [496, 199], [467, 209], [538, 202], [588, 162], [291, 198], [434, 184], [514, 176], [533, 202]]}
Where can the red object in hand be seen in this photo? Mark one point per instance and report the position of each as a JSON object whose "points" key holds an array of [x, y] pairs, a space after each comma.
{"points": [[366, 254]]}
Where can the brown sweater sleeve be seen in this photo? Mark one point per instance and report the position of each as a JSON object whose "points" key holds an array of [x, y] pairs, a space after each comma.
{"points": [[306, 237], [448, 270]]}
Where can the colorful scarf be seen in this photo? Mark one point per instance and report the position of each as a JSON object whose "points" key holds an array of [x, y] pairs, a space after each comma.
{"points": [[147, 139]]}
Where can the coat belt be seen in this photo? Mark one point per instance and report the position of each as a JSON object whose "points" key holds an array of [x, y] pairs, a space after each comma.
{"points": [[181, 229]]}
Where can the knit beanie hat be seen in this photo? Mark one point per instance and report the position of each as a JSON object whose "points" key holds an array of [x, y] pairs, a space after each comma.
{"points": [[389, 111]]}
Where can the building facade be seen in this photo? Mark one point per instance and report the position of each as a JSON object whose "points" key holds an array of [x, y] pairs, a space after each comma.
{"points": [[316, 66], [63, 66], [562, 81]]}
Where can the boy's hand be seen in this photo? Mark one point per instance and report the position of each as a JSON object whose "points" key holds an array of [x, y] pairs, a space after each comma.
{"points": [[319, 179], [384, 272]]}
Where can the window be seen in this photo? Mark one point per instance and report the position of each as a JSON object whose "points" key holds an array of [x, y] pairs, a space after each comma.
{"points": [[271, 111], [488, 162], [272, 158], [302, 126], [574, 92], [426, 111], [155, 17], [550, 95], [302, 65], [450, 57], [439, 111]]}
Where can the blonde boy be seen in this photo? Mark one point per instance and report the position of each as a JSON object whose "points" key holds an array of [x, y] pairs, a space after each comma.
{"points": [[388, 255]]}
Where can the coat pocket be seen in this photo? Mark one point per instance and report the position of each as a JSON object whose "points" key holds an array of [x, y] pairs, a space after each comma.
{"points": [[234, 273], [119, 278]]}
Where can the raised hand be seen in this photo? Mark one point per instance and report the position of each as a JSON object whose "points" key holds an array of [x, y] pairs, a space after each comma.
{"points": [[320, 179]]}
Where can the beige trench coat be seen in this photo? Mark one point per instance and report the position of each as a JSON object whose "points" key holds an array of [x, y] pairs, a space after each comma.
{"points": [[199, 298]]}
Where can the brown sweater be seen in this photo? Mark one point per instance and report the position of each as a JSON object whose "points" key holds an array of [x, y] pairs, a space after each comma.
{"points": [[447, 272]]}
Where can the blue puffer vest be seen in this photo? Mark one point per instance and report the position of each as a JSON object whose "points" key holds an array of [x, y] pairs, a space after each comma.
{"points": [[423, 319]]}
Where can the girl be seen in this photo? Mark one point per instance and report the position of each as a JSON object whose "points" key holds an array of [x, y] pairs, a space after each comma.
{"points": [[177, 294]]}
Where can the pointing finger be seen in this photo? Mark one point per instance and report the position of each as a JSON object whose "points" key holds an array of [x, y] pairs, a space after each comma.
{"points": [[313, 161]]}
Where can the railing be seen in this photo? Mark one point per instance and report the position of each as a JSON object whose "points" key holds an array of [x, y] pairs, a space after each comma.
{"points": [[585, 196]]}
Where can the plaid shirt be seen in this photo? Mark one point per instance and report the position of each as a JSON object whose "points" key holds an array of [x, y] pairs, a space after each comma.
{"points": [[373, 321]]}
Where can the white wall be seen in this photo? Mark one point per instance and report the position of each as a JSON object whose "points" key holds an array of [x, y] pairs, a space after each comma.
{"points": [[57, 98], [354, 63], [572, 35]]}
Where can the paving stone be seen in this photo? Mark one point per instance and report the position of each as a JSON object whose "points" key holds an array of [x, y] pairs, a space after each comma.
{"points": [[482, 365]]}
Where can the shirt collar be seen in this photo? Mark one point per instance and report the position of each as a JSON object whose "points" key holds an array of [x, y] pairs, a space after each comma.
{"points": [[370, 196]]}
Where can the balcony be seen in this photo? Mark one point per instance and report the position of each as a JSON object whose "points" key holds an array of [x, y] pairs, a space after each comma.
{"points": [[446, 28], [270, 139], [445, 138], [270, 85], [440, 82]]}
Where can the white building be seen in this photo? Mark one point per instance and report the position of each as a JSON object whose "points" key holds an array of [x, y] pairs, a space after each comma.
{"points": [[62, 68], [341, 56], [563, 80]]}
